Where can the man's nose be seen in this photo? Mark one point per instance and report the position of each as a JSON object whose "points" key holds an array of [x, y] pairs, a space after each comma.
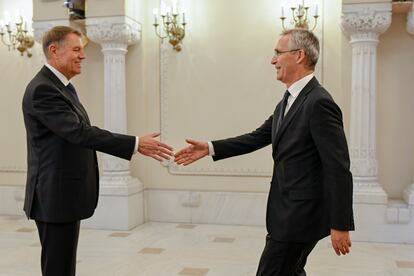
{"points": [[273, 60]]}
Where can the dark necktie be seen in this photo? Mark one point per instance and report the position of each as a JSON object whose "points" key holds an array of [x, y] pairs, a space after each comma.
{"points": [[282, 110], [73, 91], [284, 104]]}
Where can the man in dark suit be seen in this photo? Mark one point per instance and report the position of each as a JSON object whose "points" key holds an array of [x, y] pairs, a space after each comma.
{"points": [[311, 189], [62, 185]]}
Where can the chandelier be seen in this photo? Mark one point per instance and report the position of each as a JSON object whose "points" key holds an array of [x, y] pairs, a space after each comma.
{"points": [[299, 16], [15, 36]]}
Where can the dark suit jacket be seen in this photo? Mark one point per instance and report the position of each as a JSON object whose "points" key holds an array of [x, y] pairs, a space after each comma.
{"points": [[62, 171], [311, 187]]}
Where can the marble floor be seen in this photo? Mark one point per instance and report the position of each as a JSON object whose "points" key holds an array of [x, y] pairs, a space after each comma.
{"points": [[181, 249]]}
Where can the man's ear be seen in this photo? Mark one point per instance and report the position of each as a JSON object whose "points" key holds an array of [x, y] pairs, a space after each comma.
{"points": [[52, 49], [301, 58]]}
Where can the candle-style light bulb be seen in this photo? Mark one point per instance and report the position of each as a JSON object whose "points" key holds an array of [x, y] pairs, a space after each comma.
{"points": [[163, 9], [155, 13], [7, 18], [183, 12], [174, 7]]}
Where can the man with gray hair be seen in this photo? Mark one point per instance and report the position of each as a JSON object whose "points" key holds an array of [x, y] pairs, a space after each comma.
{"points": [[310, 195], [62, 185]]}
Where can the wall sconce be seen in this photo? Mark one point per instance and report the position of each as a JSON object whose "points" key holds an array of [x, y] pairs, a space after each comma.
{"points": [[16, 38], [300, 16], [170, 25]]}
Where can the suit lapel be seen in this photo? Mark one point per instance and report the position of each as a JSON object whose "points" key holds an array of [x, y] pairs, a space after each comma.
{"points": [[293, 110], [76, 104], [276, 114], [63, 90]]}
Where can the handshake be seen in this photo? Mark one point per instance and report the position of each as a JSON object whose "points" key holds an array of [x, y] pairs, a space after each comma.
{"points": [[160, 151]]}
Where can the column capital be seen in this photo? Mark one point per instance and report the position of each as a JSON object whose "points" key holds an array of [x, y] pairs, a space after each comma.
{"points": [[41, 27], [365, 22], [114, 30]]}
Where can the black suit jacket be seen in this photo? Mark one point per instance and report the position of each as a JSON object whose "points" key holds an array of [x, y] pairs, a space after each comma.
{"points": [[62, 170], [311, 187]]}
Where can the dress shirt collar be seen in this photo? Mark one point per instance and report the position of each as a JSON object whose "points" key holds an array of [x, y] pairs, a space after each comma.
{"points": [[58, 74], [297, 86]]}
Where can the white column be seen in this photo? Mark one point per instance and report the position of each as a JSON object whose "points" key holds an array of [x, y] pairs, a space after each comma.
{"points": [[121, 196], [408, 193], [364, 23]]}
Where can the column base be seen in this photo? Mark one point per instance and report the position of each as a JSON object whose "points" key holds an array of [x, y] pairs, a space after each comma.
{"points": [[368, 190], [120, 205], [408, 194]]}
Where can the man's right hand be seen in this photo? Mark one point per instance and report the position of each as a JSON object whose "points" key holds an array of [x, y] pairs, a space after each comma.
{"points": [[196, 150], [341, 242], [150, 147]]}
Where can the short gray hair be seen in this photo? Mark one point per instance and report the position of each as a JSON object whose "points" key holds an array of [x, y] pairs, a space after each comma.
{"points": [[57, 35], [306, 40]]}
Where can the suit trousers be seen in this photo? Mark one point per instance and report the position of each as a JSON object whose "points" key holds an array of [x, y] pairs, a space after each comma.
{"points": [[59, 244], [284, 258]]}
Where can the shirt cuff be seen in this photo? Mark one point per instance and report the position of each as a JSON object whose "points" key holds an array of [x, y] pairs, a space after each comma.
{"points": [[210, 149], [136, 144]]}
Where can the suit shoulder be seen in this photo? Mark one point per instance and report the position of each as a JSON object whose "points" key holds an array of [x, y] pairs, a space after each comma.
{"points": [[38, 85], [320, 95]]}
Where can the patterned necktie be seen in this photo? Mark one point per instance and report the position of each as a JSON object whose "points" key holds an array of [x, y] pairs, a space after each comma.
{"points": [[73, 91]]}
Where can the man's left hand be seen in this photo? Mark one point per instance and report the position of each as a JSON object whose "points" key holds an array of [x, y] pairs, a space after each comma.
{"points": [[341, 242]]}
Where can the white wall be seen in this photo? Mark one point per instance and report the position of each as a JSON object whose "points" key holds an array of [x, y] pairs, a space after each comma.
{"points": [[16, 72]]}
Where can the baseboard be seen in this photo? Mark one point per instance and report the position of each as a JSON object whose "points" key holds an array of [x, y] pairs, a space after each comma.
{"points": [[11, 200], [372, 221], [235, 208]]}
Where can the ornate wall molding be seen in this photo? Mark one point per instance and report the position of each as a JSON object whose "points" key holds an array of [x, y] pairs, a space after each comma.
{"points": [[13, 169], [167, 128], [40, 27], [366, 21], [115, 33], [165, 50]]}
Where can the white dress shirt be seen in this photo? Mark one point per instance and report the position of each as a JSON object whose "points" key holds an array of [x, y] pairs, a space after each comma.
{"points": [[66, 82], [294, 91]]}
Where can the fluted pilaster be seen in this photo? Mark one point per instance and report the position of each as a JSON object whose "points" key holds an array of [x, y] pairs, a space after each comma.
{"points": [[121, 196], [364, 23], [114, 34], [408, 193]]}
